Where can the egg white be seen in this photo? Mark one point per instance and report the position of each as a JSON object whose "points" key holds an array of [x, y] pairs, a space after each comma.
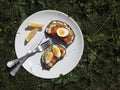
{"points": [[58, 54], [47, 57]]}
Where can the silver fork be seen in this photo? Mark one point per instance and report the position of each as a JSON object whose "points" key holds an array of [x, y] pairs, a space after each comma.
{"points": [[39, 48], [15, 61]]}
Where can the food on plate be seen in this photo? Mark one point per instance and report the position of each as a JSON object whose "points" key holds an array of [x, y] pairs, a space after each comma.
{"points": [[30, 35], [61, 31], [52, 55], [34, 25]]}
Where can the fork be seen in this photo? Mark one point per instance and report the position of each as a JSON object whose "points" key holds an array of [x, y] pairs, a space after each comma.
{"points": [[15, 61], [21, 60]]}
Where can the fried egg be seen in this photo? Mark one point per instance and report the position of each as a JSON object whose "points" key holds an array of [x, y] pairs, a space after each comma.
{"points": [[56, 51], [62, 32], [49, 57]]}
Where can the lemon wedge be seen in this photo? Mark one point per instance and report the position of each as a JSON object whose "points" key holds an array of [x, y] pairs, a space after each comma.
{"points": [[34, 25], [31, 35]]}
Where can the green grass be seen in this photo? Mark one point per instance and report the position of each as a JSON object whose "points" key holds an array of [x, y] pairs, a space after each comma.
{"points": [[99, 68]]}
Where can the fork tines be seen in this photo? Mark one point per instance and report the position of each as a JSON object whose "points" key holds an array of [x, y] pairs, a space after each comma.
{"points": [[46, 44]]}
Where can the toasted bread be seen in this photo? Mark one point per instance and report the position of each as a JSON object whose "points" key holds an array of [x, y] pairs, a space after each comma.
{"points": [[49, 60], [53, 28]]}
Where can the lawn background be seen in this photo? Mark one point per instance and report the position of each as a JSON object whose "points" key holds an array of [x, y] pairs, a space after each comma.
{"points": [[99, 68]]}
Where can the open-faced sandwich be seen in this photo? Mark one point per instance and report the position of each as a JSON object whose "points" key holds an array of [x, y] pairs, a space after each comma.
{"points": [[52, 55], [61, 31]]}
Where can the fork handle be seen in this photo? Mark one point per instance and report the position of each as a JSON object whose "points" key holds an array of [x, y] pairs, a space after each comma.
{"points": [[24, 58], [16, 69], [14, 61]]}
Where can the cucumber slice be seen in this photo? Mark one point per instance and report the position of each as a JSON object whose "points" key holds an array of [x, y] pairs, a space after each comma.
{"points": [[73, 36]]}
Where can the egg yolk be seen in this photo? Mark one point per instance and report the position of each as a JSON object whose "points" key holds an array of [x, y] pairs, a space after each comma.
{"points": [[61, 32], [50, 56], [55, 50]]}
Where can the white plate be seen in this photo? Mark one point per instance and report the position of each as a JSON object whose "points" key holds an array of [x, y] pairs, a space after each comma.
{"points": [[33, 65]]}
